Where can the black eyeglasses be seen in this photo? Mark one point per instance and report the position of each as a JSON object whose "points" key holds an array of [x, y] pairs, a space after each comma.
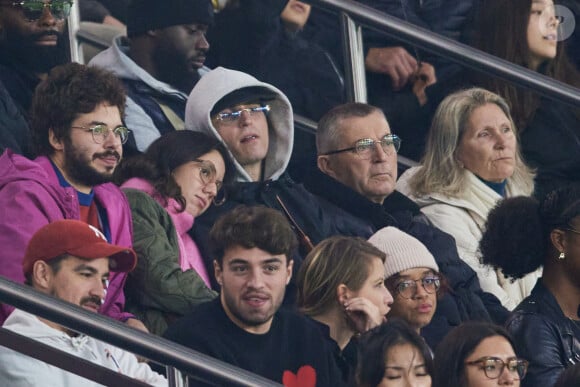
{"points": [[235, 115], [364, 147], [101, 132], [493, 366], [33, 9], [408, 288]]}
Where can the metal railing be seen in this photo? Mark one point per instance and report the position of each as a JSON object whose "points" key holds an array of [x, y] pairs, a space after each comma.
{"points": [[140, 343], [439, 45]]}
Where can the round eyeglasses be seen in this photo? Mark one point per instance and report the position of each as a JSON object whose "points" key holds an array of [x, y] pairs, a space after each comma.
{"points": [[208, 173], [365, 147], [233, 116], [33, 9], [493, 366], [408, 288], [101, 132]]}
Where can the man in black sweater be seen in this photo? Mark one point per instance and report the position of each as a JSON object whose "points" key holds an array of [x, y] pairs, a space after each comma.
{"points": [[245, 326]]}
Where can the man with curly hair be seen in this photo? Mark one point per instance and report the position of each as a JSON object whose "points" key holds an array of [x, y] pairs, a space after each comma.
{"points": [[78, 132]]}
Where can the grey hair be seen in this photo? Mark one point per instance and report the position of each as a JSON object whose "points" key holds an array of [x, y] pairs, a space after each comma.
{"points": [[441, 172], [329, 126]]}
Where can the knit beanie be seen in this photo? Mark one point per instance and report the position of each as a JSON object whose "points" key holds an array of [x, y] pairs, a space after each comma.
{"points": [[146, 15], [403, 251]]}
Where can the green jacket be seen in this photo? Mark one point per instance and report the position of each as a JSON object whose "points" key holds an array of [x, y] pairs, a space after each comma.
{"points": [[158, 291]]}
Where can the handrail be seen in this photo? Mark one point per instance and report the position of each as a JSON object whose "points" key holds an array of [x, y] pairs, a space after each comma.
{"points": [[140, 343], [65, 360], [451, 49], [354, 62], [76, 54]]}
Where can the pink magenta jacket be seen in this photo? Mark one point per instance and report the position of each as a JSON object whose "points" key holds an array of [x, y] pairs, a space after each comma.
{"points": [[31, 197]]}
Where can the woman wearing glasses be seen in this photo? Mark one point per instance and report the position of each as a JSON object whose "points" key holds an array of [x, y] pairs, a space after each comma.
{"points": [[478, 354], [179, 176], [341, 286], [471, 162], [412, 276], [523, 234]]}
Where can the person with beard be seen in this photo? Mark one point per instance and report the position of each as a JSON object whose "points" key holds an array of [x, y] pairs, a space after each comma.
{"points": [[74, 269], [160, 63], [245, 326], [77, 126], [32, 42]]}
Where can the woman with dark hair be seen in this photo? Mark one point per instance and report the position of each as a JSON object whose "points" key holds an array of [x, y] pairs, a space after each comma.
{"points": [[478, 354], [179, 176], [391, 355], [412, 276], [525, 32], [522, 235], [341, 286]]}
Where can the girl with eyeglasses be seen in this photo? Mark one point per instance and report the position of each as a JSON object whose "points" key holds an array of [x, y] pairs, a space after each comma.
{"points": [[341, 287], [478, 354], [412, 276], [179, 176]]}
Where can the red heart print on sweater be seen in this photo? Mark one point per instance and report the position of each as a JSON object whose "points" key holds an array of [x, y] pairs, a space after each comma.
{"points": [[305, 377]]}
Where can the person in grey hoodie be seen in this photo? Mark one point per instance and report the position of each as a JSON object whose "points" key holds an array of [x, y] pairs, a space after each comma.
{"points": [[254, 121], [159, 64]]}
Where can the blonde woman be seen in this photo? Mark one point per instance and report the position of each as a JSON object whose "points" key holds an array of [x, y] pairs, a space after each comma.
{"points": [[341, 286], [472, 161]]}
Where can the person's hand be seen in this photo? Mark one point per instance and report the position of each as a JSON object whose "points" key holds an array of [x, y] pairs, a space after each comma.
{"points": [[396, 62], [363, 314], [113, 21], [424, 77], [137, 324]]}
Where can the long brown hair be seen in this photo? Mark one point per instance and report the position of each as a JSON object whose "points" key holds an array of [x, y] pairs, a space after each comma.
{"points": [[501, 30]]}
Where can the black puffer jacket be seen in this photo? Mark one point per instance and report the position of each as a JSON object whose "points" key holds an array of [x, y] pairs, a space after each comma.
{"points": [[466, 300], [544, 336]]}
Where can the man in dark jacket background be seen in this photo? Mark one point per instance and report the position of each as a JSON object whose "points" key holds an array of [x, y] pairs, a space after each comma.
{"points": [[32, 43]]}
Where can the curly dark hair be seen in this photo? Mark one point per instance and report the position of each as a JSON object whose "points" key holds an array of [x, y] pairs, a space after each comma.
{"points": [[69, 90], [249, 227], [517, 237], [167, 153]]}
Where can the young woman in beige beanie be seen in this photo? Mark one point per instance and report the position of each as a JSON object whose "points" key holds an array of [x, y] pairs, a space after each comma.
{"points": [[412, 276]]}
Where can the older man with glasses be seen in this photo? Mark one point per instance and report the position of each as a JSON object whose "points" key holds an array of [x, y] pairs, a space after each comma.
{"points": [[32, 42], [78, 132], [357, 171]]}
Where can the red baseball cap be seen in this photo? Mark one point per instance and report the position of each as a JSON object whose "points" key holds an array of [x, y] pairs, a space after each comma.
{"points": [[78, 239]]}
